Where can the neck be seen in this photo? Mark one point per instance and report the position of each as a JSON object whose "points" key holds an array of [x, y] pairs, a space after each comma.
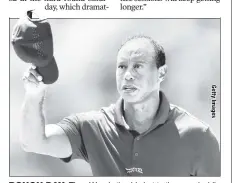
{"points": [[139, 116]]}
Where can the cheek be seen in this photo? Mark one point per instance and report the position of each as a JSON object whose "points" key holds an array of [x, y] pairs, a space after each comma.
{"points": [[118, 80], [119, 74], [149, 80]]}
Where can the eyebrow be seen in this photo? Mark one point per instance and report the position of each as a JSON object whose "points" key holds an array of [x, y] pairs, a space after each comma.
{"points": [[142, 62], [124, 60]]}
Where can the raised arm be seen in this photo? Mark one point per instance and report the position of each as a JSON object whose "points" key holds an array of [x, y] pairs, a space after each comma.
{"points": [[35, 135]]}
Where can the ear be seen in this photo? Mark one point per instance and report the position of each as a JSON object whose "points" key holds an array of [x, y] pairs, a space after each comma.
{"points": [[162, 72]]}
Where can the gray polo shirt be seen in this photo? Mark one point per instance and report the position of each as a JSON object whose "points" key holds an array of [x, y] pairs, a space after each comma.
{"points": [[177, 144]]}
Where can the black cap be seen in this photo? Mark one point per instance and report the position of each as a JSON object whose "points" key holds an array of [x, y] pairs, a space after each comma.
{"points": [[33, 43]]}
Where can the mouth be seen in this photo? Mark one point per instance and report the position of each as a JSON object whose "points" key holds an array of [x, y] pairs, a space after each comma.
{"points": [[129, 88]]}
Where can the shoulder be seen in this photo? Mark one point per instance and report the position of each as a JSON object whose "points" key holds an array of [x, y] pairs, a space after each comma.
{"points": [[186, 123], [95, 117], [192, 130]]}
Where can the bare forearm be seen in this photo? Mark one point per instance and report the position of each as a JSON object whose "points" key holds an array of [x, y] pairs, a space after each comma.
{"points": [[35, 135], [33, 121]]}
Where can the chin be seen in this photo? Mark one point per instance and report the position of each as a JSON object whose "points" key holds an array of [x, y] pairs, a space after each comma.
{"points": [[131, 99], [135, 98]]}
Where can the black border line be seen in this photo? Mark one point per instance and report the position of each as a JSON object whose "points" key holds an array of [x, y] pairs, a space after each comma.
{"points": [[119, 176]]}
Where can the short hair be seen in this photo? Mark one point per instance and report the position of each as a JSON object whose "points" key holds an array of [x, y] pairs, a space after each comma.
{"points": [[159, 57]]}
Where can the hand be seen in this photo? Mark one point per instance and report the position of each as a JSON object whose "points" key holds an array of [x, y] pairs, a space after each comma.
{"points": [[33, 83]]}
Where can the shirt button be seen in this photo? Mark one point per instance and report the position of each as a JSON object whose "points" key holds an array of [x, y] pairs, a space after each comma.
{"points": [[136, 154]]}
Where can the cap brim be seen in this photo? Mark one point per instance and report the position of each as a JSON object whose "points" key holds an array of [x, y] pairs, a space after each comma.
{"points": [[50, 72]]}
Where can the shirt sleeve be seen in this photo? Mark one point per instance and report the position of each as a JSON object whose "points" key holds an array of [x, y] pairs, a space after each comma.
{"points": [[72, 127], [209, 163]]}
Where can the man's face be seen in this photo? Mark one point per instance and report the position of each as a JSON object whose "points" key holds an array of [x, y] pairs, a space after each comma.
{"points": [[136, 74]]}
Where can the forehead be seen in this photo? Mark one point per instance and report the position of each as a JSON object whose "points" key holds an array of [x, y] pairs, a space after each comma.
{"points": [[140, 48]]}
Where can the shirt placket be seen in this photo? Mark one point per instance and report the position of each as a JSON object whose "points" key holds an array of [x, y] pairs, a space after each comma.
{"points": [[135, 156]]}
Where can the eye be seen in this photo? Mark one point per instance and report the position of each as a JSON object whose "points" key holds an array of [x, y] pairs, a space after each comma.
{"points": [[138, 66], [121, 66]]}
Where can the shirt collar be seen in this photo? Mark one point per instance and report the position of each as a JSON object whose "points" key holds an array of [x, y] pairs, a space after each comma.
{"points": [[160, 118]]}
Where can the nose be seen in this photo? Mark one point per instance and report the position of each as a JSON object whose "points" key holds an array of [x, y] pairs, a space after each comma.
{"points": [[129, 76]]}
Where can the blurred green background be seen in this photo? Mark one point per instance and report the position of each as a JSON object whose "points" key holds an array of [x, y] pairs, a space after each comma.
{"points": [[86, 50]]}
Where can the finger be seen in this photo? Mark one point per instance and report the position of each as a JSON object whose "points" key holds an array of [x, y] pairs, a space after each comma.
{"points": [[30, 77], [33, 66], [36, 74], [26, 75], [28, 82]]}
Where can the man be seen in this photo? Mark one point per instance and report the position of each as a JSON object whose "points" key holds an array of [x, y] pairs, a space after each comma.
{"points": [[141, 135]]}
